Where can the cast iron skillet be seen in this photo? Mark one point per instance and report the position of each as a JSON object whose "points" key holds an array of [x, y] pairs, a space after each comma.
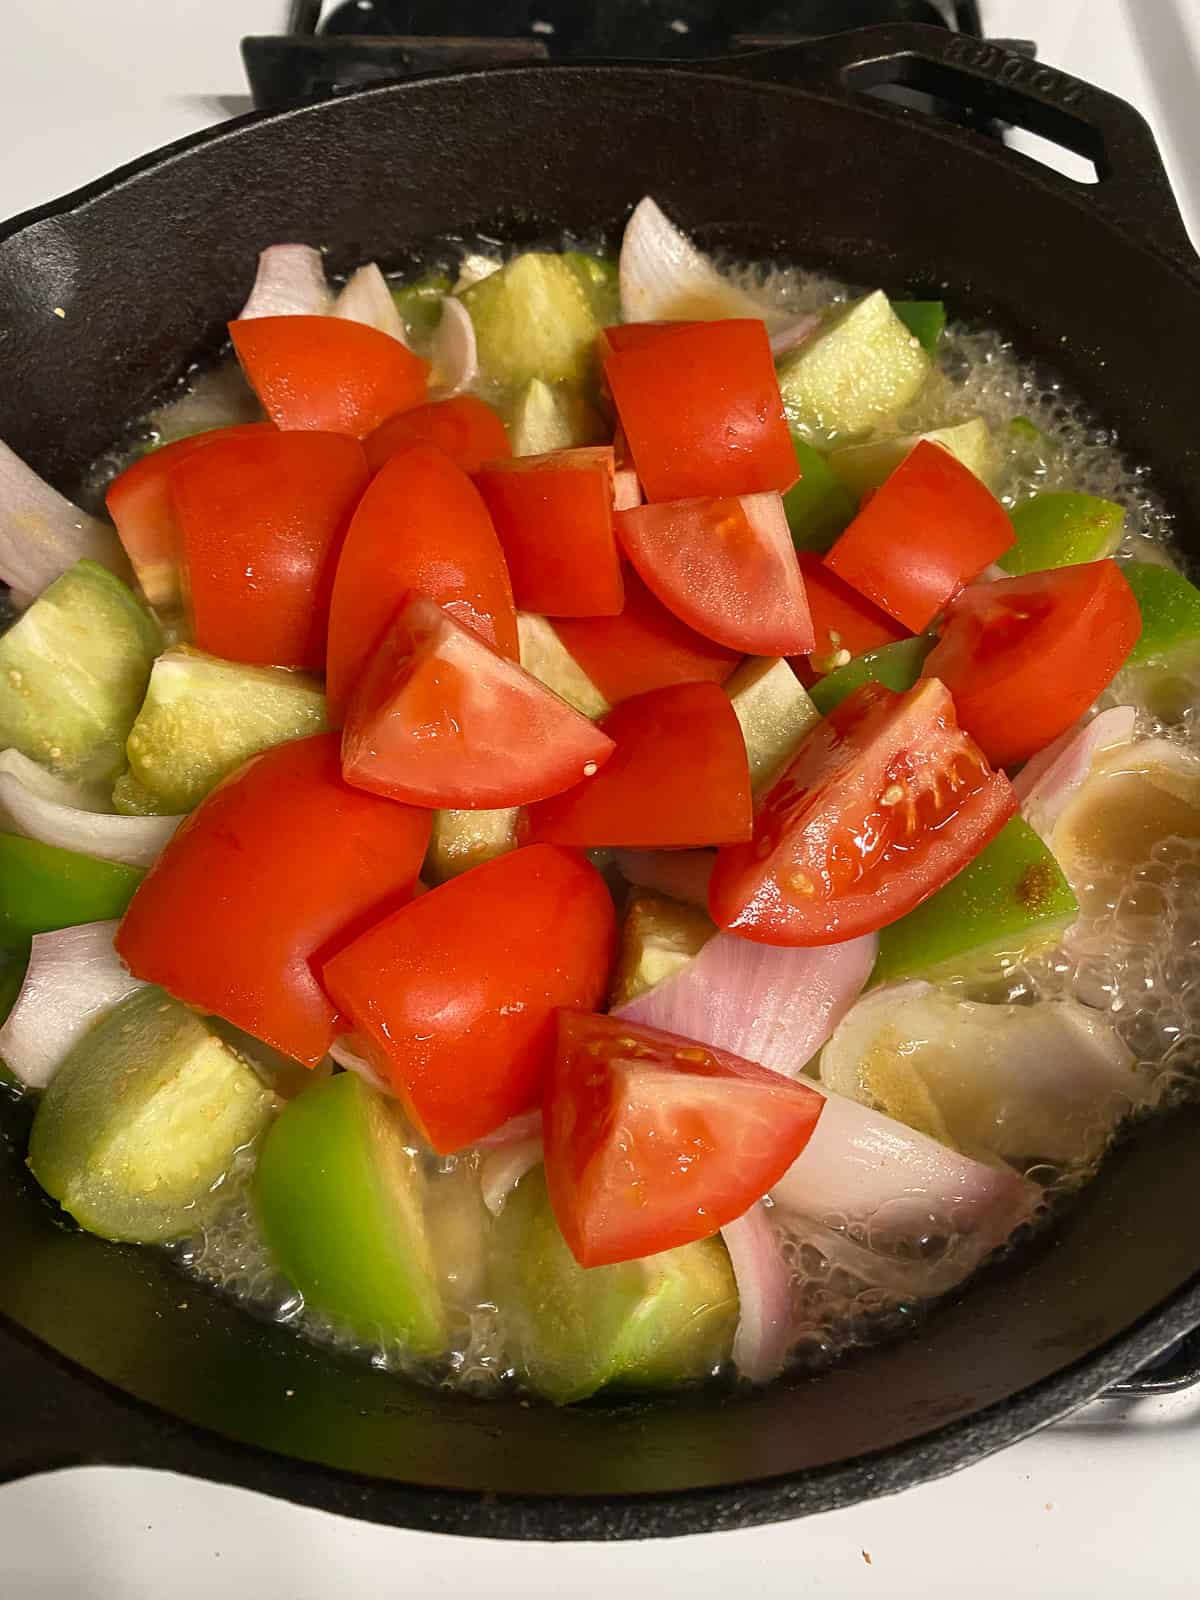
{"points": [[108, 1356]]}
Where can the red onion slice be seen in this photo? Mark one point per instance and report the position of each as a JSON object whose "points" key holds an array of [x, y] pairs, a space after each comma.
{"points": [[681, 874], [453, 352], [764, 1285], [525, 1125], [42, 533], [290, 282], [37, 805], [345, 1052], [792, 336], [763, 1002], [1048, 780], [367, 299], [74, 976], [502, 1170], [627, 489]]}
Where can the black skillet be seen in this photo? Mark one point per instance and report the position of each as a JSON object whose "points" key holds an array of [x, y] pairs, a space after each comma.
{"points": [[105, 1354]]}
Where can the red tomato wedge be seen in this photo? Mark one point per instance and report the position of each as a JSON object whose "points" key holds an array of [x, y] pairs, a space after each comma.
{"points": [[469, 431], [643, 648], [327, 372], [701, 409], [929, 529], [653, 1141], [678, 777], [261, 520], [843, 621], [420, 526], [454, 996], [440, 719], [139, 502], [281, 865], [883, 802], [554, 516], [633, 335], [1025, 657], [726, 567]]}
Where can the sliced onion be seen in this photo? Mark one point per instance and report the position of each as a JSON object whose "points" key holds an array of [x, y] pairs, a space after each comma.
{"points": [[453, 351], [290, 282], [764, 1285], [502, 1170], [993, 573], [664, 278], [42, 533], [681, 874], [1047, 781], [793, 335], [346, 1051], [763, 1002], [367, 299], [37, 805], [523, 1126], [74, 976], [627, 489]]}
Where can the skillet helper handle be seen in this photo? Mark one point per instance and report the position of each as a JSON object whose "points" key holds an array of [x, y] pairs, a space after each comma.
{"points": [[1132, 185], [1175, 1370]]}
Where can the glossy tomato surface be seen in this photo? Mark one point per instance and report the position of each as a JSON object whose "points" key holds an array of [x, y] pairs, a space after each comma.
{"points": [[465, 427], [845, 623]]}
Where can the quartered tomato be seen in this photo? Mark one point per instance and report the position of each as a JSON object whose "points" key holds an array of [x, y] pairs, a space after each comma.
{"points": [[726, 567], [139, 502], [845, 624], [440, 719], [679, 776], [421, 526], [281, 865], [645, 647], [327, 372], [261, 520], [554, 516], [454, 997], [653, 1141], [469, 431], [633, 335], [701, 409], [929, 529], [884, 801], [1025, 657]]}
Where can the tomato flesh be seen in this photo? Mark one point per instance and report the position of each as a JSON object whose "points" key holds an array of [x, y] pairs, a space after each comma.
{"points": [[421, 526], [279, 866], [678, 777], [261, 520], [468, 430], [701, 409], [653, 1141], [440, 719], [454, 996], [883, 802], [327, 373], [726, 567], [845, 624], [1025, 657], [554, 517], [928, 530]]}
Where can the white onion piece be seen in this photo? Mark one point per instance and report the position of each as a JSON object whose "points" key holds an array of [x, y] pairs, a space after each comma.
{"points": [[38, 805], [627, 489], [681, 874], [42, 533], [452, 351], [523, 1126], [764, 1279], [502, 1170], [664, 278], [367, 299], [763, 1002], [991, 573], [1048, 780], [290, 282], [793, 335], [346, 1055], [74, 976]]}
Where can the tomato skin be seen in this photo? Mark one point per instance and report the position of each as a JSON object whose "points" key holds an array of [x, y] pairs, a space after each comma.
{"points": [[261, 520], [653, 1141], [554, 517], [838, 610], [421, 526], [679, 777], [140, 505], [928, 530], [468, 430], [645, 647], [441, 719], [327, 373], [883, 802], [280, 865], [701, 409], [726, 567], [1025, 657], [633, 335], [454, 996]]}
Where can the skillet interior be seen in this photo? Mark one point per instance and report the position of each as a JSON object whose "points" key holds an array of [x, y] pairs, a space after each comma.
{"points": [[146, 271]]}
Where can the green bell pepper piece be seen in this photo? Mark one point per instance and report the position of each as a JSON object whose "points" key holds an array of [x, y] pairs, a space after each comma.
{"points": [[420, 304], [818, 506], [43, 888], [898, 666], [1059, 530], [1170, 608], [924, 318]]}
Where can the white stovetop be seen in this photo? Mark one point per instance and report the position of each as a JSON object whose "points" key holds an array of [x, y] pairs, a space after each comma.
{"points": [[1091, 1508]]}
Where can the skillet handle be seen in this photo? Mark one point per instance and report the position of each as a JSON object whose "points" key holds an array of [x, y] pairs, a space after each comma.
{"points": [[1132, 186]]}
